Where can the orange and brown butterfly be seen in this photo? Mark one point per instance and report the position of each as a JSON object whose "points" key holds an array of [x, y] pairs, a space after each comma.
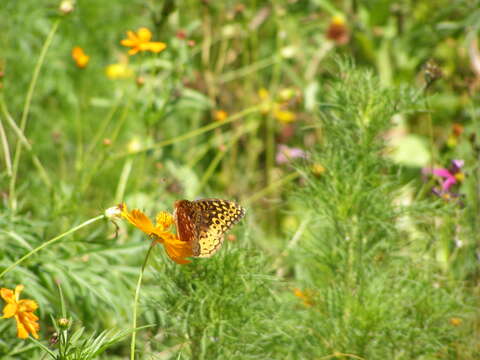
{"points": [[203, 223]]}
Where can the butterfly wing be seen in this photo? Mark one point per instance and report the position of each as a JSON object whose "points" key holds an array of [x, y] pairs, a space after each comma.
{"points": [[213, 217], [185, 220]]}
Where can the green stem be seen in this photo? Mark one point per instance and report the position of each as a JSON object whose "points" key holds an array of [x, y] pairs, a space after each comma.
{"points": [[193, 133], [50, 242], [26, 110], [6, 150], [273, 186], [220, 154], [135, 302], [44, 348], [122, 183], [24, 141]]}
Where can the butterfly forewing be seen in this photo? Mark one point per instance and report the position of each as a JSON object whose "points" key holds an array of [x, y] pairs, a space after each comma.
{"points": [[204, 223], [185, 221]]}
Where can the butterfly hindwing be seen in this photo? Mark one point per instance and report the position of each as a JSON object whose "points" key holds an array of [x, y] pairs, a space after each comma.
{"points": [[216, 217]]}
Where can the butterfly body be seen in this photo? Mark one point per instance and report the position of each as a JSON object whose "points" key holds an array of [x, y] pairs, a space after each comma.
{"points": [[204, 222]]}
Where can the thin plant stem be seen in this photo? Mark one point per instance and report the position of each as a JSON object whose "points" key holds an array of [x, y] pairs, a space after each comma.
{"points": [[193, 133], [6, 149], [21, 137], [273, 186], [122, 183], [43, 347], [220, 155], [50, 242], [26, 110], [135, 302]]}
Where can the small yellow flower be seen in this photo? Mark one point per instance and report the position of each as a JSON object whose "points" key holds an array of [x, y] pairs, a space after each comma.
{"points": [[263, 94], [220, 115], [317, 169], [22, 310], [81, 59], [284, 116], [176, 249], [460, 176], [140, 41], [306, 297], [455, 321], [118, 71]]}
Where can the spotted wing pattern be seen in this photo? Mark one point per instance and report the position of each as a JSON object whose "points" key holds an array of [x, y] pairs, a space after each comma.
{"points": [[204, 223]]}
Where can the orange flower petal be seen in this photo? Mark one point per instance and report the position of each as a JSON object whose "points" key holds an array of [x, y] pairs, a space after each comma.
{"points": [[155, 47], [7, 295], [77, 52], [132, 36], [18, 290], [144, 35], [27, 305], [28, 321], [9, 310], [177, 250], [22, 332], [139, 220], [128, 42]]}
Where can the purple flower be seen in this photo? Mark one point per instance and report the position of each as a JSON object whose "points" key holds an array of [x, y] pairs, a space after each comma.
{"points": [[449, 177], [286, 154]]}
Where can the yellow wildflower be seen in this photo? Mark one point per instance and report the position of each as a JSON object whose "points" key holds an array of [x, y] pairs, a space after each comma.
{"points": [[317, 169], [284, 116], [81, 59], [140, 41], [118, 71], [22, 310], [263, 94], [455, 321], [220, 115], [306, 297], [176, 249]]}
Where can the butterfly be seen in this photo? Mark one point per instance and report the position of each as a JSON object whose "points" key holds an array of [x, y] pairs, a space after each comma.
{"points": [[204, 222]]}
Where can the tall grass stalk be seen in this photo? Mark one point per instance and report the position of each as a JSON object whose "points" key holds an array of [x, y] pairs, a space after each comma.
{"points": [[26, 110], [21, 137]]}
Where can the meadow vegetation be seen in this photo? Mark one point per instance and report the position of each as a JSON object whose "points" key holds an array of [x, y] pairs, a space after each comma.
{"points": [[347, 129]]}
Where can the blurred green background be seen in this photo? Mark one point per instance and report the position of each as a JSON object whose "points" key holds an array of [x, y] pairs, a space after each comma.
{"points": [[318, 116]]}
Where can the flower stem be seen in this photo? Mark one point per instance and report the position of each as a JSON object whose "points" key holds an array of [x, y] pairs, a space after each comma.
{"points": [[50, 242], [135, 302]]}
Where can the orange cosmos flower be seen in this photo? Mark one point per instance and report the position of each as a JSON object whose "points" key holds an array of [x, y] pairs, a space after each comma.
{"points": [[176, 249], [81, 59], [140, 41], [22, 310]]}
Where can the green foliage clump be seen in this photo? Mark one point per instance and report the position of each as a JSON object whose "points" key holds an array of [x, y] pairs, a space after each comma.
{"points": [[373, 297]]}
